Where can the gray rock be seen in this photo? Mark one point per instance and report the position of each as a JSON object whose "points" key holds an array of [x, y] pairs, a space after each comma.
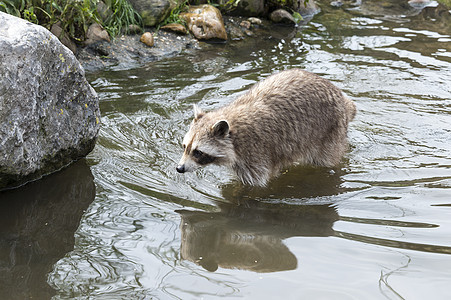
{"points": [[282, 16], [49, 114], [308, 9], [154, 11]]}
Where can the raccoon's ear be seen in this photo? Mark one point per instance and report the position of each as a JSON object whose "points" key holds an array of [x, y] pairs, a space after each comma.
{"points": [[198, 113], [221, 128]]}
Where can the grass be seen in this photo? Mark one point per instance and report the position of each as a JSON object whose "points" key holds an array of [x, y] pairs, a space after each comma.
{"points": [[174, 16], [74, 16], [123, 15]]}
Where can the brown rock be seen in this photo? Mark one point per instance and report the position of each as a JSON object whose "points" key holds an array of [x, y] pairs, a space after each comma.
{"points": [[96, 33], [175, 27], [245, 24], [147, 38], [205, 22]]}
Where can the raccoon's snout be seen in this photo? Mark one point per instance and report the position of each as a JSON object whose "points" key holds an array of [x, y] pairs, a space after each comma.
{"points": [[180, 168]]}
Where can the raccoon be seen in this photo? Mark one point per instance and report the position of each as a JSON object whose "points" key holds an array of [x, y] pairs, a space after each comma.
{"points": [[293, 116]]}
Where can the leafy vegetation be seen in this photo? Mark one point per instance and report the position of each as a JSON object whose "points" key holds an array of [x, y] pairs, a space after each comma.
{"points": [[123, 15], [74, 16], [174, 16], [447, 3]]}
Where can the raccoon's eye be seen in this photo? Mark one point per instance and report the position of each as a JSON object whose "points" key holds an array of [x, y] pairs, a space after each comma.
{"points": [[197, 153]]}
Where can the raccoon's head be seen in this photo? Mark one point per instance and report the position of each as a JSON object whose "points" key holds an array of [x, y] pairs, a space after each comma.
{"points": [[207, 142]]}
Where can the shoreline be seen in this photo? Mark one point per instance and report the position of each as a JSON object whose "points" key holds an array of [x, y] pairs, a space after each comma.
{"points": [[127, 51]]}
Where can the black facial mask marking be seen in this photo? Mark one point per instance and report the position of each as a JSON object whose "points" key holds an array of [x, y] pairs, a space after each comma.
{"points": [[203, 158]]}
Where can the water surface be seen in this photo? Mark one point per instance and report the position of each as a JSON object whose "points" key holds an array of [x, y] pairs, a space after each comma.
{"points": [[377, 226]]}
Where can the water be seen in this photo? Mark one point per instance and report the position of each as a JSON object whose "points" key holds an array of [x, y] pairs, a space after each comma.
{"points": [[123, 224]]}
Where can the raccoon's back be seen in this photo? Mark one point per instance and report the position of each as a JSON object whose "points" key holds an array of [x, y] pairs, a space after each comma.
{"points": [[290, 99], [288, 115]]}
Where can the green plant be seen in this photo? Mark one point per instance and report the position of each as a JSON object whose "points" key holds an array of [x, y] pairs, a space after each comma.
{"points": [[73, 16], [123, 15], [297, 17], [447, 3], [10, 7], [174, 16], [230, 5]]}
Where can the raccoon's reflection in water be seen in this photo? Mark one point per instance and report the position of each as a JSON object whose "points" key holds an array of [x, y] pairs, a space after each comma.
{"points": [[250, 238], [248, 234]]}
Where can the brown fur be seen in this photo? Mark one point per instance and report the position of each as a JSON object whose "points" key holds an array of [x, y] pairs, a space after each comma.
{"points": [[292, 116]]}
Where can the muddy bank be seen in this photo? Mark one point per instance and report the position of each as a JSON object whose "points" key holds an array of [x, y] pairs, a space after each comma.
{"points": [[127, 51]]}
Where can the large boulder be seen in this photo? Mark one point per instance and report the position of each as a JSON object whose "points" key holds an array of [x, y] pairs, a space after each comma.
{"points": [[205, 22], [49, 114]]}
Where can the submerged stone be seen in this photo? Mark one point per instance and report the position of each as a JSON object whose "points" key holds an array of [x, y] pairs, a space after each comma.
{"points": [[49, 114]]}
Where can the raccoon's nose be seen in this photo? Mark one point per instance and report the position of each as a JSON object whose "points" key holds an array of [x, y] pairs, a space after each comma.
{"points": [[180, 168]]}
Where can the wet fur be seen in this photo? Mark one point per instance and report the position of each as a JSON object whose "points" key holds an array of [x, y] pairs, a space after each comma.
{"points": [[292, 116]]}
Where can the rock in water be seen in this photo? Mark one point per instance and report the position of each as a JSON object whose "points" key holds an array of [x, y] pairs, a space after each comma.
{"points": [[49, 114], [308, 9], [282, 16], [205, 22]]}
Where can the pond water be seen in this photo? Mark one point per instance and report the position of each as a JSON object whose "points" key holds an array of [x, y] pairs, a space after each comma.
{"points": [[123, 224]]}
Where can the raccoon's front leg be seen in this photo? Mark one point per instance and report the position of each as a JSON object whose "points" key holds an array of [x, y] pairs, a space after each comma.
{"points": [[257, 174]]}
